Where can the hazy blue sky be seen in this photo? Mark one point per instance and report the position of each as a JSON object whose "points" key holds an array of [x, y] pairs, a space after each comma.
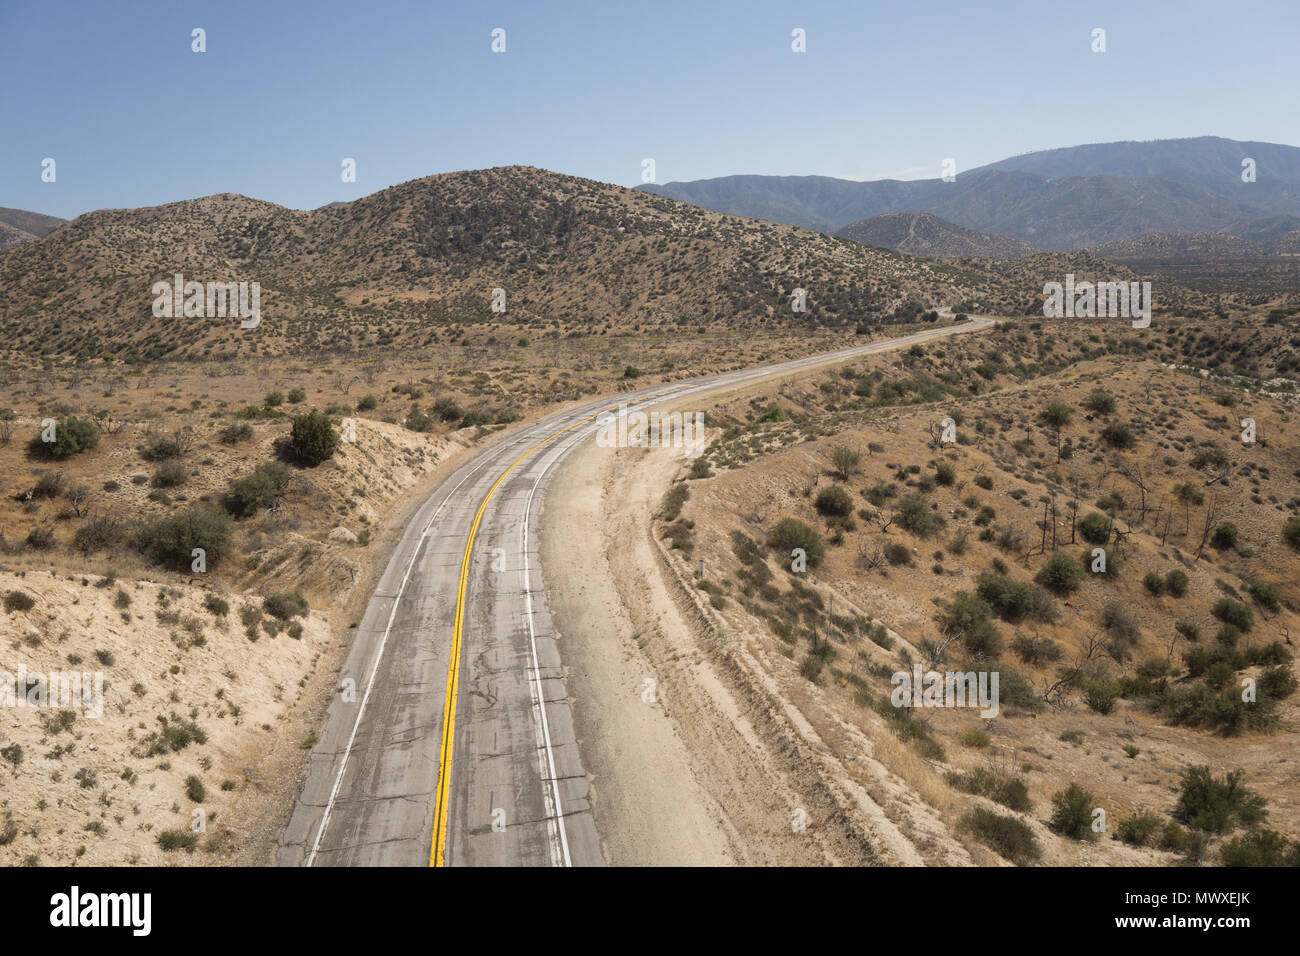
{"points": [[111, 90]]}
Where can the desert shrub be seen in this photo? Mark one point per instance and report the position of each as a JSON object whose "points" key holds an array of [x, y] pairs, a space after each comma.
{"points": [[296, 395], [49, 485], [1277, 683], [178, 838], [945, 474], [1265, 595], [1119, 621], [1176, 582], [1061, 573], [18, 601], [897, 554], [1225, 536], [169, 474], [99, 533], [671, 507], [1100, 694], [1036, 650], [257, 490], [313, 438], [1013, 600], [791, 533], [1118, 435], [969, 615], [194, 789], [1291, 531], [172, 538], [217, 606], [845, 460], [916, 516], [234, 434], [71, 436], [1139, 829], [161, 449], [367, 403], [1260, 847], [1217, 805], [39, 539], [1095, 528], [273, 399], [285, 606], [1154, 583], [1008, 837], [1006, 789], [1072, 812], [833, 502], [1233, 612], [418, 421], [1100, 402]]}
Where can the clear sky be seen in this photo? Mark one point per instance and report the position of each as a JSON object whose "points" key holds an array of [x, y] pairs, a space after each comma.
{"points": [[111, 90]]}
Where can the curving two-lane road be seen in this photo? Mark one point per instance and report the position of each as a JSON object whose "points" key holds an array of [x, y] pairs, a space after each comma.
{"points": [[452, 740]]}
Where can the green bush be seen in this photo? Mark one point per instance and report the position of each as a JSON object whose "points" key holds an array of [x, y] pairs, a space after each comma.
{"points": [[171, 539], [367, 403], [178, 839], [259, 490], [1061, 574], [1154, 583], [1234, 612], [1118, 435], [18, 601], [791, 533], [1008, 790], [71, 436], [1008, 837], [285, 606], [916, 516], [1095, 528], [234, 434], [313, 438], [1265, 595], [273, 399], [194, 789], [297, 395], [1176, 582], [161, 449], [1100, 402], [1225, 536], [1072, 812], [1260, 847], [833, 502], [169, 474], [1100, 694], [1291, 531], [968, 615], [1139, 830], [1217, 805]]}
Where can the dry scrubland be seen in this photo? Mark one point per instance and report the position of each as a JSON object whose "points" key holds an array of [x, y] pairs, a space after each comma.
{"points": [[239, 687], [1114, 687]]}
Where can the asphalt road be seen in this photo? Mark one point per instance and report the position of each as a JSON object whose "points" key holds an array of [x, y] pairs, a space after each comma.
{"points": [[451, 740]]}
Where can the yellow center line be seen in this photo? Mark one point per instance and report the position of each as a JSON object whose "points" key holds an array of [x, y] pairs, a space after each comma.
{"points": [[438, 849]]}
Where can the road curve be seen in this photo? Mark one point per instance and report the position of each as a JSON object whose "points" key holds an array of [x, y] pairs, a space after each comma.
{"points": [[450, 741]]}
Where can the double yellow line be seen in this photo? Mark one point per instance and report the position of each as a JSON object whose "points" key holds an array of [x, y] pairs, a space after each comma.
{"points": [[438, 850]]}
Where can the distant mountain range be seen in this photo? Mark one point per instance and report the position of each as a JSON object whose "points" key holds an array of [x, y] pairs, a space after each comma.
{"points": [[415, 264], [18, 226], [1059, 199], [921, 234]]}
